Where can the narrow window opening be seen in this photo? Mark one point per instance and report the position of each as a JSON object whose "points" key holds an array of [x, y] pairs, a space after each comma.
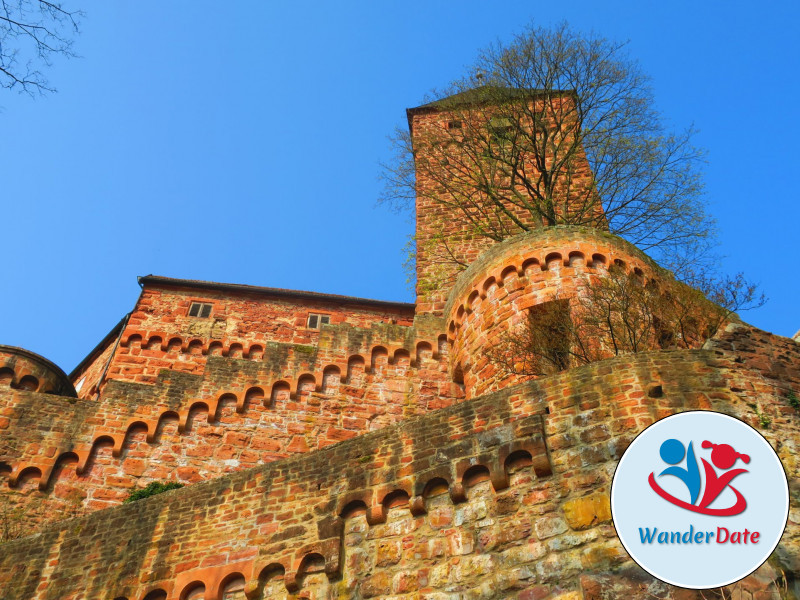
{"points": [[201, 310], [664, 337], [315, 321], [549, 332], [500, 129]]}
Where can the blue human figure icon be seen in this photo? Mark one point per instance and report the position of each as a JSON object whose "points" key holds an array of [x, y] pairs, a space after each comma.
{"points": [[672, 452]]}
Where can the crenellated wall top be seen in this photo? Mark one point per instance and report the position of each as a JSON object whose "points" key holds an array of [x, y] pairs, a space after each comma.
{"points": [[513, 480], [563, 240], [23, 369]]}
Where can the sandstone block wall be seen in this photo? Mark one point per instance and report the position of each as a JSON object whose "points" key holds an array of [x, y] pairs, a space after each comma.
{"points": [[502, 496], [61, 456], [160, 333], [24, 370], [446, 190], [88, 375], [495, 293]]}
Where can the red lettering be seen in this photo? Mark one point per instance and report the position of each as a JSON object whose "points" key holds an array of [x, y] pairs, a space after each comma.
{"points": [[720, 539], [736, 537]]}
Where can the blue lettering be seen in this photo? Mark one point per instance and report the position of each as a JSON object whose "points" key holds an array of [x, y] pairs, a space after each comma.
{"points": [[687, 537], [647, 538]]}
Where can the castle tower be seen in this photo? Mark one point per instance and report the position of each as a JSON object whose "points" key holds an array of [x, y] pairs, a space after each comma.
{"points": [[546, 268], [510, 232], [485, 163]]}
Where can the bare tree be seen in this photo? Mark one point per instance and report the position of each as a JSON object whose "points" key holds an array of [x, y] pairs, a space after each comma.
{"points": [[620, 313], [555, 127], [32, 32]]}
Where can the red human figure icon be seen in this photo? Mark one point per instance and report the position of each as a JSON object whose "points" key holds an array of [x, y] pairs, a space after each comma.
{"points": [[724, 457]]}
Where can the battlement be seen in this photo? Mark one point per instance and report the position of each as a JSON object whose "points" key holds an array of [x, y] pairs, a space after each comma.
{"points": [[503, 492], [24, 370], [226, 414], [494, 294], [163, 332]]}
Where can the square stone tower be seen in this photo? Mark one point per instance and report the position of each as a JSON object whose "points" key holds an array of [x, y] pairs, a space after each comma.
{"points": [[492, 163]]}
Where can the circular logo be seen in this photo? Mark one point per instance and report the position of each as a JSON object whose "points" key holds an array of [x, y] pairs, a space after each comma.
{"points": [[699, 499]]}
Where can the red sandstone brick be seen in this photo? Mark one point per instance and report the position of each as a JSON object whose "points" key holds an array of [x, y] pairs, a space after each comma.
{"points": [[298, 444]]}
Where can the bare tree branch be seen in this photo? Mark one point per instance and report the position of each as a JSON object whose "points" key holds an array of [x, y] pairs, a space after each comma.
{"points": [[32, 33], [620, 313], [556, 127]]}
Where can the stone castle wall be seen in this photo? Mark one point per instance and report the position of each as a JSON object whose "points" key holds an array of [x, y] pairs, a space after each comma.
{"points": [[24, 370], [495, 293], [62, 456], [503, 496], [160, 333], [89, 375]]}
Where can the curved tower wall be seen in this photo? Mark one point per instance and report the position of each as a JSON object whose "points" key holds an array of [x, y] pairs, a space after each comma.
{"points": [[494, 294], [25, 370]]}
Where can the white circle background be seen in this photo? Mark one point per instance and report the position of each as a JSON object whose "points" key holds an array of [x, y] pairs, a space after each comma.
{"points": [[635, 505]]}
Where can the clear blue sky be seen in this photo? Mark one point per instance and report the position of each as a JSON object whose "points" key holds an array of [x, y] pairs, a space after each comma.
{"points": [[240, 142]]}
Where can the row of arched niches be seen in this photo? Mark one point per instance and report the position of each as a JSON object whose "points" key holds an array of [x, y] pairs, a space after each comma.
{"points": [[495, 293], [24, 370], [511, 465], [505, 281]]}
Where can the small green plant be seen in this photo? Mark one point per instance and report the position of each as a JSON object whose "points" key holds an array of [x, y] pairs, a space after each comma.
{"points": [[153, 488], [794, 401], [764, 420]]}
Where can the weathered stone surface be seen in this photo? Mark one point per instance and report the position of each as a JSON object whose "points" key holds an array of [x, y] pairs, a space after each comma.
{"points": [[582, 513], [538, 537]]}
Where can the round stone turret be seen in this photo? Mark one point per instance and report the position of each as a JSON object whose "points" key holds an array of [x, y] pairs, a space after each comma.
{"points": [[494, 295], [25, 370]]}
